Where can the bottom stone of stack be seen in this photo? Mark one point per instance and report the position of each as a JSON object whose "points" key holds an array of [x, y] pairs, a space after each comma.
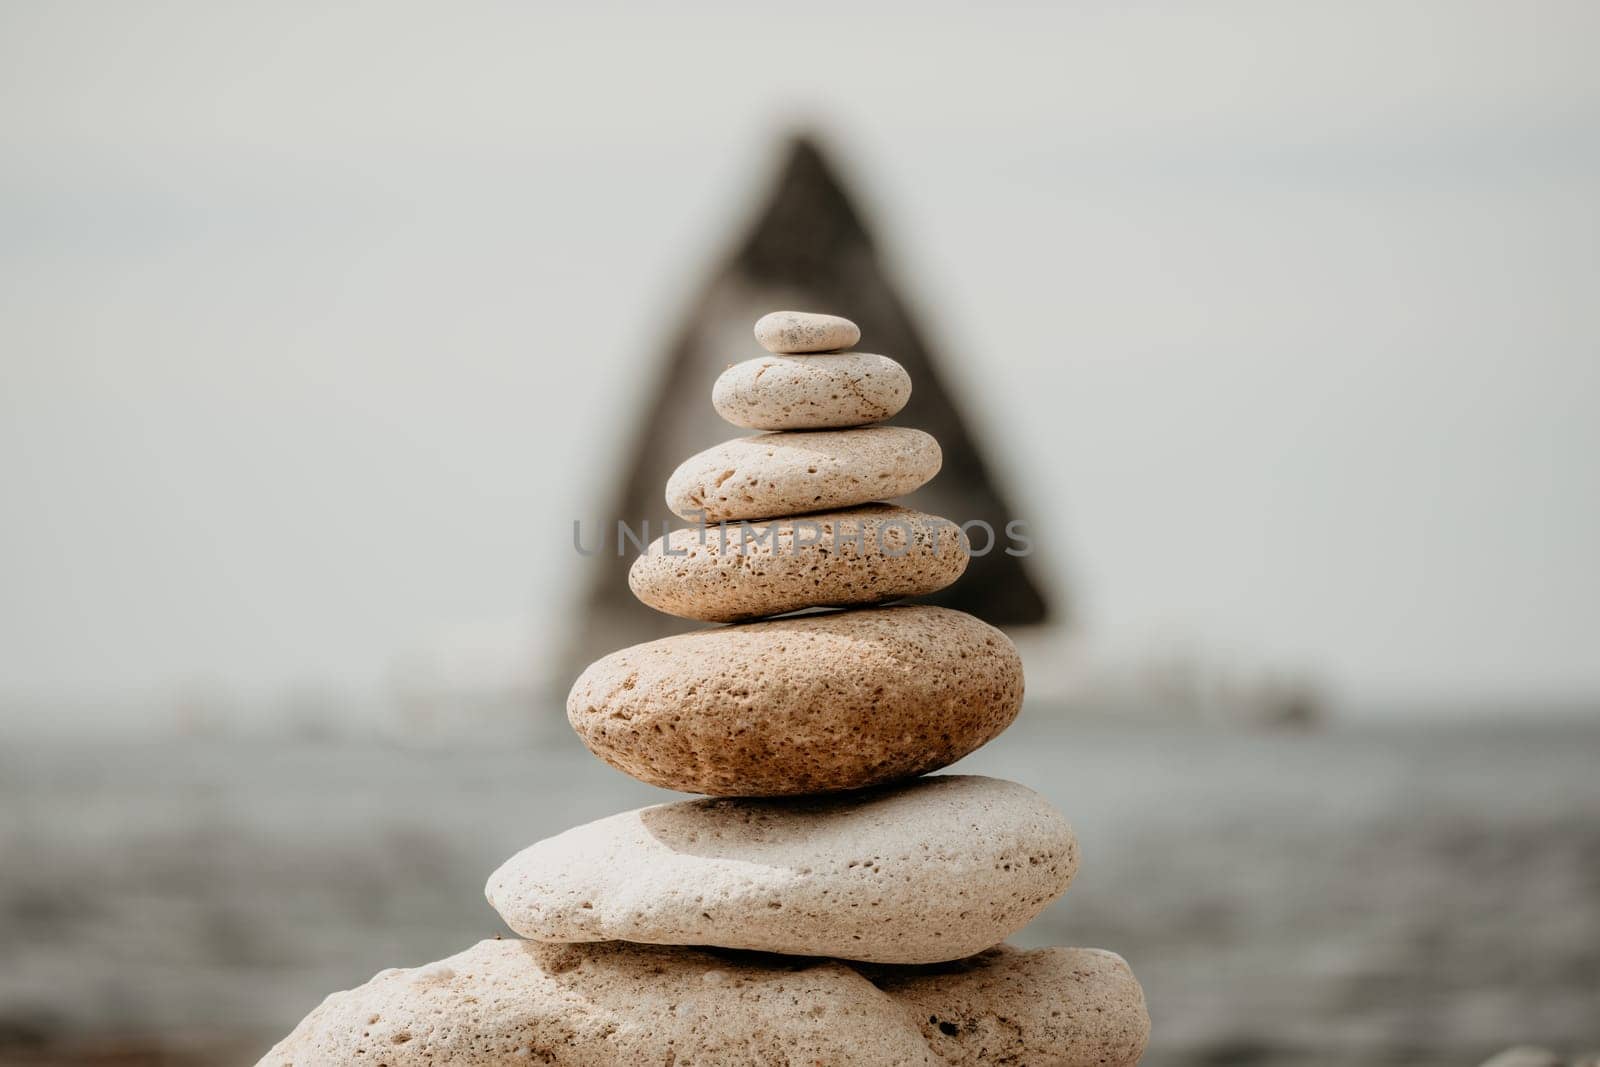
{"points": [[516, 1002]]}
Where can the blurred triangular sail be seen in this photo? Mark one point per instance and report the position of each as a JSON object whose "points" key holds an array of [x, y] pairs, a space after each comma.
{"points": [[808, 249]]}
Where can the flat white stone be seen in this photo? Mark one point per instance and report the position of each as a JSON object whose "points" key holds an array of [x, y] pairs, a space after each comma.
{"points": [[929, 870]]}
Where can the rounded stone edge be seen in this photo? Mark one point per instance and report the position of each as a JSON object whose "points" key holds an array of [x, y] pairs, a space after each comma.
{"points": [[688, 486], [793, 333], [654, 581], [737, 397], [557, 920], [769, 784]]}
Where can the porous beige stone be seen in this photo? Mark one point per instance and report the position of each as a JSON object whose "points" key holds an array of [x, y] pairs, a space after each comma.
{"points": [[517, 1002], [805, 331], [811, 392], [1074, 1006], [807, 704], [921, 872], [864, 555], [600, 1005], [777, 474]]}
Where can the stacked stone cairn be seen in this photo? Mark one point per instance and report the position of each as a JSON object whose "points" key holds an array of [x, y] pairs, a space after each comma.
{"points": [[822, 904]]}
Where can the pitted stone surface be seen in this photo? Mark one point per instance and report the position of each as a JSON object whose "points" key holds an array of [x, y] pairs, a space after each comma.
{"points": [[921, 872], [811, 392], [600, 1005], [808, 704], [1050, 1006], [864, 555], [777, 474], [519, 1002], [789, 332]]}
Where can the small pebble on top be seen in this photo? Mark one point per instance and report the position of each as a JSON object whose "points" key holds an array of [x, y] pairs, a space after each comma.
{"points": [[792, 332]]}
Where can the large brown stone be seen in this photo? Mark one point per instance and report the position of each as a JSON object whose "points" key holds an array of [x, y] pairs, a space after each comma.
{"points": [[808, 704]]}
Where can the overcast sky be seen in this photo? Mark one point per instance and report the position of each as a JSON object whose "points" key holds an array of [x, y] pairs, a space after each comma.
{"points": [[318, 327]]}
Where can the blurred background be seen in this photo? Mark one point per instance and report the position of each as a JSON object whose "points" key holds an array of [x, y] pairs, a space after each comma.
{"points": [[321, 326]]}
